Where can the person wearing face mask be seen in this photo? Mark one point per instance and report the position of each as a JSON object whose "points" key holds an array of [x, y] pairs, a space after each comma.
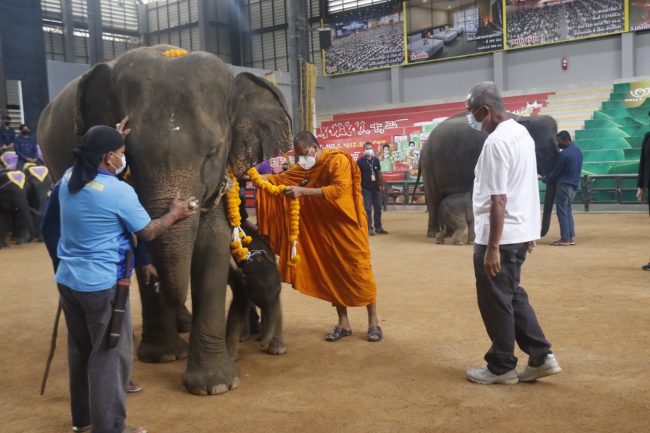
{"points": [[26, 148], [372, 187], [333, 239], [566, 174], [507, 222], [97, 212], [7, 133]]}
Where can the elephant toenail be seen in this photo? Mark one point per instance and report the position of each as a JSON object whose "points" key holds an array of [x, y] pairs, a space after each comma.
{"points": [[235, 383]]}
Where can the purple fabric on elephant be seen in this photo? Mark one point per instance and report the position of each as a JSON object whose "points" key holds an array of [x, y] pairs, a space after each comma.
{"points": [[264, 168], [9, 160]]}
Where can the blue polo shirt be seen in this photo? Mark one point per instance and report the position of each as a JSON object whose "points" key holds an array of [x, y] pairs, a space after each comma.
{"points": [[368, 168], [95, 223]]}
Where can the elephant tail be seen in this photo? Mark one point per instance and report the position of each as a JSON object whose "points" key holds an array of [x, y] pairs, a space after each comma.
{"points": [[417, 182]]}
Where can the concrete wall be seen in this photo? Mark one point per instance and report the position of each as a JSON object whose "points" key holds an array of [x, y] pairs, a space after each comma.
{"points": [[59, 74], [595, 61], [23, 52]]}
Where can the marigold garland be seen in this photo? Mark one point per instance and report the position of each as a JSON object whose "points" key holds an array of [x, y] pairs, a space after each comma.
{"points": [[294, 213], [239, 238], [175, 53]]}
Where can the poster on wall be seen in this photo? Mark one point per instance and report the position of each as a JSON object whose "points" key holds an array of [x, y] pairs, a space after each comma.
{"points": [[370, 39], [443, 29], [538, 22], [639, 15]]}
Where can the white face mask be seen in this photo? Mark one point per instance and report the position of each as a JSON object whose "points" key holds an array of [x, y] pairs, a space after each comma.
{"points": [[306, 162], [368, 152], [122, 167], [473, 123]]}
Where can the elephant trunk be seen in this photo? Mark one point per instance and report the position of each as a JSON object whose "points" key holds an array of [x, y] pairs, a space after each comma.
{"points": [[549, 199]]}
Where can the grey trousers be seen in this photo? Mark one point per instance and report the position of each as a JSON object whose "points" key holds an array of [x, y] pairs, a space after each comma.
{"points": [[99, 375], [506, 312]]}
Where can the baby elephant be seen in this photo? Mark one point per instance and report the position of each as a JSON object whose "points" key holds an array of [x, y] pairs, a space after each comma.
{"points": [[456, 216], [256, 282]]}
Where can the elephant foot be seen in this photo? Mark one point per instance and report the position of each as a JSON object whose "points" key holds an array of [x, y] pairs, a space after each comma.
{"points": [[431, 234], [276, 347], [218, 377], [169, 350], [183, 320], [459, 243]]}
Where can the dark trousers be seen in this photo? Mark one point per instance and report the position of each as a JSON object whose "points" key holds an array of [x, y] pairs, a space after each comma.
{"points": [[506, 313], [98, 374], [372, 200], [563, 201]]}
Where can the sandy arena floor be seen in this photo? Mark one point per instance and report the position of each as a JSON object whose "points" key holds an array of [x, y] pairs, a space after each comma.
{"points": [[593, 301]]}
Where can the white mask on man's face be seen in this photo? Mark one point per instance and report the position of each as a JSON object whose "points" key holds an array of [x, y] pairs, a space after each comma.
{"points": [[121, 168], [307, 161], [473, 122], [368, 152]]}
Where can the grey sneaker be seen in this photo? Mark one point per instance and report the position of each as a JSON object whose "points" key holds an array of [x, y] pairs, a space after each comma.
{"points": [[549, 368], [486, 377]]}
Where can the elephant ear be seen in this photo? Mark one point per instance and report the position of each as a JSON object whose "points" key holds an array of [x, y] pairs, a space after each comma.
{"points": [[260, 122], [95, 102]]}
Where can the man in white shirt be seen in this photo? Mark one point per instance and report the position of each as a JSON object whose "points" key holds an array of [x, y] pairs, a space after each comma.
{"points": [[507, 223]]}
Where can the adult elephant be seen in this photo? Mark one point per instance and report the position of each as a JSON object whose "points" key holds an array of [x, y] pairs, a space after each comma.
{"points": [[191, 121], [449, 156]]}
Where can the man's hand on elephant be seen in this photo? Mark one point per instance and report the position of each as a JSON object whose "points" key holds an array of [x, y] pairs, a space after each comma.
{"points": [[182, 208], [531, 246], [492, 262], [120, 128]]}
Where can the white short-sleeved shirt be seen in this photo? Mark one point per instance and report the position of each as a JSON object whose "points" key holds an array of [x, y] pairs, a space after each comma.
{"points": [[507, 165]]}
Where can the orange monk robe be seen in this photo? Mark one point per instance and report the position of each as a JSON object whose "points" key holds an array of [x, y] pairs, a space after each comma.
{"points": [[333, 241]]}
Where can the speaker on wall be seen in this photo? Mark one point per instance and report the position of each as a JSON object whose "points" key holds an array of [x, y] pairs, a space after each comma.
{"points": [[325, 37]]}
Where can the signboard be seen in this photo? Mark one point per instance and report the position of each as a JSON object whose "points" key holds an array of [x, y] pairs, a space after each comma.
{"points": [[374, 40], [443, 29], [531, 23], [639, 15], [398, 134], [637, 95]]}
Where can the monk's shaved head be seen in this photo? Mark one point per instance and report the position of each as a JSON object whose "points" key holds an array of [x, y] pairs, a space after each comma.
{"points": [[304, 141]]}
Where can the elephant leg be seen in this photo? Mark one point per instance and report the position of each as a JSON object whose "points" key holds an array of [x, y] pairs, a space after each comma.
{"points": [[271, 333], [160, 340], [209, 368], [4, 228], [183, 319], [440, 237], [237, 320], [470, 231], [457, 237]]}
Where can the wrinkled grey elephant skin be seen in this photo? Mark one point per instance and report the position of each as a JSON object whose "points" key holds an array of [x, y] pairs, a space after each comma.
{"points": [[456, 218], [449, 156], [191, 121]]}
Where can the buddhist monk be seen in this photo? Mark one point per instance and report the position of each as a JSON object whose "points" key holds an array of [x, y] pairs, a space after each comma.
{"points": [[333, 245]]}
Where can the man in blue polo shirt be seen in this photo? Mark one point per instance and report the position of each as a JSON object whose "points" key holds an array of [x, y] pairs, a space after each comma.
{"points": [[566, 173], [7, 133], [372, 186], [97, 213]]}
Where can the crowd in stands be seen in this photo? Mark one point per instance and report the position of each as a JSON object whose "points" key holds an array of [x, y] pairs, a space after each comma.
{"points": [[583, 16], [372, 48], [536, 21]]}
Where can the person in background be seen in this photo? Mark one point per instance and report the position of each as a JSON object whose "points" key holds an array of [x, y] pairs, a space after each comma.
{"points": [[333, 243], [7, 133], [285, 167], [98, 211], [566, 174], [507, 220], [643, 179], [26, 148], [372, 188]]}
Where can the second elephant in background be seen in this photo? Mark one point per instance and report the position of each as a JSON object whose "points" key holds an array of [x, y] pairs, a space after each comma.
{"points": [[456, 217]]}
